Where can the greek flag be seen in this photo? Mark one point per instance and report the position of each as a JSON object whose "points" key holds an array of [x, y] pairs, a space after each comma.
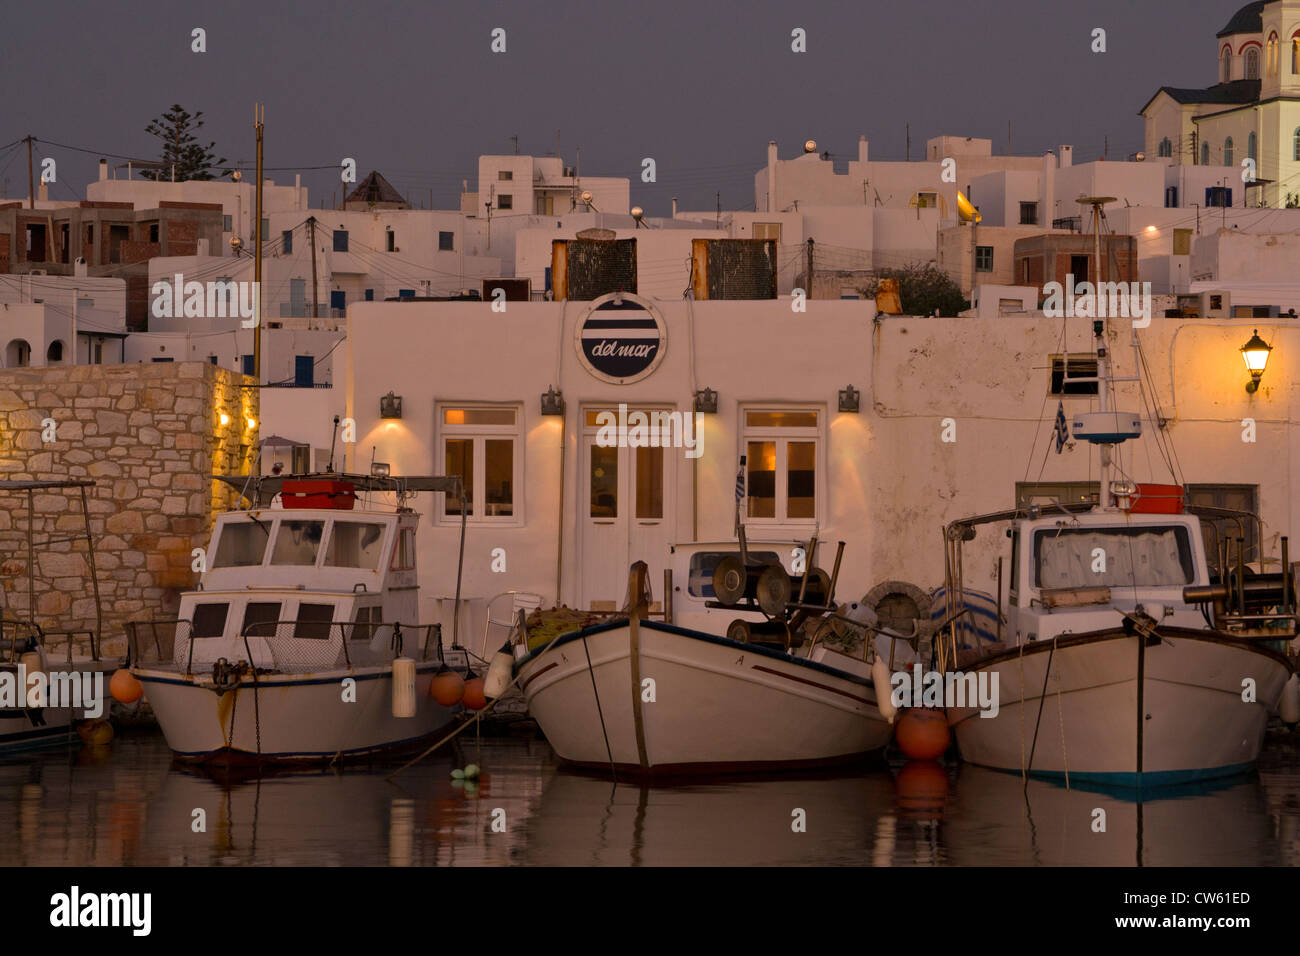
{"points": [[740, 481], [1062, 429]]}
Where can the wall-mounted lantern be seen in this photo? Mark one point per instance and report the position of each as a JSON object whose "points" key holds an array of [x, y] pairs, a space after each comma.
{"points": [[390, 406], [706, 401], [1255, 354], [552, 401], [850, 399]]}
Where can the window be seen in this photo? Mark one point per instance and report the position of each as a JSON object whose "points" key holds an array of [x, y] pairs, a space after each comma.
{"points": [[354, 544], [55, 352], [1067, 367], [505, 201], [1135, 557], [1171, 197], [404, 552], [297, 542], [1182, 242], [286, 242], [313, 621], [153, 232], [1295, 56], [984, 258], [704, 563], [301, 459], [247, 364], [1271, 55], [391, 238], [781, 448], [505, 175], [340, 240], [212, 360], [164, 359], [368, 620], [1218, 196], [1166, 148], [225, 224], [260, 618], [241, 544], [266, 230], [209, 620], [1228, 153], [304, 371], [480, 443], [1252, 63], [1216, 529], [1029, 214], [767, 230], [1295, 139], [446, 241], [1205, 154], [1079, 268], [1225, 65], [1251, 143]]}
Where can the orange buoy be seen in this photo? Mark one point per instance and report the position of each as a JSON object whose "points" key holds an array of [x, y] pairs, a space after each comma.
{"points": [[124, 687], [475, 698], [922, 789], [922, 734], [447, 688], [95, 733]]}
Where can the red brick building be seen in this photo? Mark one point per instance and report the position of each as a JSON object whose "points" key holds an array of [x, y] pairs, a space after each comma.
{"points": [[1050, 258]]}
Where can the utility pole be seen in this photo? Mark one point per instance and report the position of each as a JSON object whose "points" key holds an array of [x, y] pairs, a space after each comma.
{"points": [[31, 188], [259, 114], [909, 142], [315, 304], [810, 267]]}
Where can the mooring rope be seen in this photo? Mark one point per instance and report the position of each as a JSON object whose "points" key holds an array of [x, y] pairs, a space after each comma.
{"points": [[600, 713]]}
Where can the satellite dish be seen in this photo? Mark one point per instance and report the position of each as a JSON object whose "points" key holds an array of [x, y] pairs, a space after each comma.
{"points": [[236, 175], [586, 195], [637, 212], [236, 244], [810, 146]]}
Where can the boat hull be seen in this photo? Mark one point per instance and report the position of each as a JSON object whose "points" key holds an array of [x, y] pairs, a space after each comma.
{"points": [[714, 705], [300, 718], [37, 729], [1121, 710]]}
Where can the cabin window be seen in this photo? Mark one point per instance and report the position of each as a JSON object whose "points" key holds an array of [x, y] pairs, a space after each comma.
{"points": [[313, 622], [782, 449], [704, 563], [297, 542], [1047, 493], [209, 619], [1013, 586], [354, 544], [260, 618], [481, 444], [1149, 557], [241, 544], [367, 620], [404, 551]]}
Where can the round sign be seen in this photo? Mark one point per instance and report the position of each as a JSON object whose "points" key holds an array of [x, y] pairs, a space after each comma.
{"points": [[621, 339]]}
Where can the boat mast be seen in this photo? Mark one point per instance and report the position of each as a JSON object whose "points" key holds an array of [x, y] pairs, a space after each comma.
{"points": [[1105, 501]]}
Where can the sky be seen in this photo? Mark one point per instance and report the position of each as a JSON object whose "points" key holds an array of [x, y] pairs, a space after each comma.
{"points": [[414, 90]]}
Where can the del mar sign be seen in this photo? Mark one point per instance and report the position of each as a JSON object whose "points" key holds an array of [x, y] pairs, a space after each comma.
{"points": [[621, 339]]}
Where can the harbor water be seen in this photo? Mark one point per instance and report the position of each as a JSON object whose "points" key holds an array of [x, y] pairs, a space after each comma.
{"points": [[128, 804]]}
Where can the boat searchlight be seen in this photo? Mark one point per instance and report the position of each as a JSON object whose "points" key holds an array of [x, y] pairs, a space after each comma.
{"points": [[1255, 354]]}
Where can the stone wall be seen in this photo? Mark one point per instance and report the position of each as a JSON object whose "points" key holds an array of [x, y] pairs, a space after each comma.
{"points": [[148, 435]]}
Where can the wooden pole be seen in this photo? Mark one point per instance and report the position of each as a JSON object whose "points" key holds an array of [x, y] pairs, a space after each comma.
{"points": [[259, 112], [315, 302], [31, 188]]}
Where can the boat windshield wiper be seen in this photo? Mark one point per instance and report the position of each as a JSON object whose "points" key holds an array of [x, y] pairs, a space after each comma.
{"points": [[253, 518]]}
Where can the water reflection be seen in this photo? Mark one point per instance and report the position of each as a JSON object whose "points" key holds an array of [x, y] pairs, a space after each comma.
{"points": [[128, 805]]}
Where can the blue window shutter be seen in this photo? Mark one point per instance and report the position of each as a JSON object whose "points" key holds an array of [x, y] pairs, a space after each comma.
{"points": [[248, 364], [548, 279], [303, 371], [1209, 196], [370, 295], [340, 240], [287, 246], [1227, 196], [406, 293], [338, 299]]}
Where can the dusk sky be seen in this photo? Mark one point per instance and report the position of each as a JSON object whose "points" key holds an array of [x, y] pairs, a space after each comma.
{"points": [[413, 90]]}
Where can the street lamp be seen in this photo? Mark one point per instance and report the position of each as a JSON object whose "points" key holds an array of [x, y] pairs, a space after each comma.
{"points": [[1255, 354]]}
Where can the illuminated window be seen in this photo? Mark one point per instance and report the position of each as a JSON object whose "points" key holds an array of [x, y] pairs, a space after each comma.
{"points": [[482, 445], [782, 449]]}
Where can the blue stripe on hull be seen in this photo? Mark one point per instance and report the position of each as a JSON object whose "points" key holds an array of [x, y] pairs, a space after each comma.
{"points": [[1167, 781]]}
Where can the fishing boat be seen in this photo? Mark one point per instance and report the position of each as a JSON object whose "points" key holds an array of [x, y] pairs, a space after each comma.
{"points": [[299, 643], [43, 711], [1127, 659], [769, 691]]}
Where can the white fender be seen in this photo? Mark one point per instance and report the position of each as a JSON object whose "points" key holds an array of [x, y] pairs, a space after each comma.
{"points": [[884, 690], [403, 687], [1289, 707]]}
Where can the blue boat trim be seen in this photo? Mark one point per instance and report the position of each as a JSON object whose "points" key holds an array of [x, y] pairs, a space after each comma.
{"points": [[420, 667], [40, 737], [755, 649], [1144, 781]]}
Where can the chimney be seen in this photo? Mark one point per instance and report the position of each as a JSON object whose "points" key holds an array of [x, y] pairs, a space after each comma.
{"points": [[103, 170], [674, 207], [862, 149], [43, 192], [771, 175], [1067, 157]]}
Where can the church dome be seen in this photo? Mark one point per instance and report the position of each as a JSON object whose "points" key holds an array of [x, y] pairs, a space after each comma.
{"points": [[1249, 19]]}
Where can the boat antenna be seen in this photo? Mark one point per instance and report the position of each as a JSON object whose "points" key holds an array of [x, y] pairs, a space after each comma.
{"points": [[332, 438]]}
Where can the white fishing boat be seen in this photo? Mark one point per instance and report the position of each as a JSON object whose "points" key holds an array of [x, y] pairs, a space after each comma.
{"points": [[300, 643], [651, 697], [1127, 660]]}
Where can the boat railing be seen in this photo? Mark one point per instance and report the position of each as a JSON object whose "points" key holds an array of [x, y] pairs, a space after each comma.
{"points": [[17, 637], [305, 646], [154, 641]]}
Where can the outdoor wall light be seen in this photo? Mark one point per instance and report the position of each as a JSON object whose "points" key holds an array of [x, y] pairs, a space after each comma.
{"points": [[252, 423], [552, 401], [850, 399], [225, 419], [706, 401], [390, 406], [1255, 354], [380, 469]]}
